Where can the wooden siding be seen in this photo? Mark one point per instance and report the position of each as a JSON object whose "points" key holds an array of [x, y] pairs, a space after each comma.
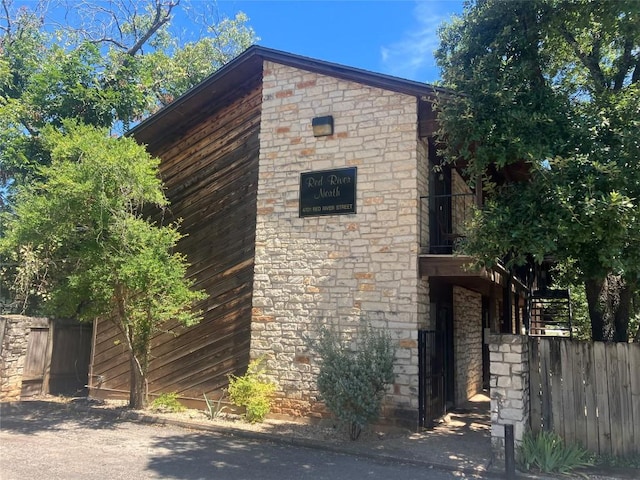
{"points": [[210, 174]]}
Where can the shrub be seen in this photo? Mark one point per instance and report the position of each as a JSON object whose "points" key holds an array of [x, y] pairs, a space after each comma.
{"points": [[167, 403], [252, 391], [547, 452], [352, 382]]}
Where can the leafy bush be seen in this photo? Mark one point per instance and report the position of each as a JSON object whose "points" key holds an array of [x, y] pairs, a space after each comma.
{"points": [[252, 391], [547, 452], [352, 382], [167, 403]]}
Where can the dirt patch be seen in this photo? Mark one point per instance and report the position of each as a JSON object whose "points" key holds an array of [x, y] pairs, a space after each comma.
{"points": [[325, 431]]}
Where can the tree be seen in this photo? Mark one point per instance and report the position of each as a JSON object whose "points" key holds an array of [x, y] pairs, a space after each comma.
{"points": [[84, 247], [112, 65], [555, 86], [73, 195]]}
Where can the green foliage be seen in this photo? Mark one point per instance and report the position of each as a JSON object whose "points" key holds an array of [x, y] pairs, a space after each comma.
{"points": [[214, 409], [551, 88], [352, 381], [111, 66], [252, 391], [84, 248], [167, 403], [547, 452]]}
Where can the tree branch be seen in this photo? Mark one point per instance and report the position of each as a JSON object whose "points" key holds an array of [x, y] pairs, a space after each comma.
{"points": [[7, 18], [625, 62], [589, 61], [162, 16]]}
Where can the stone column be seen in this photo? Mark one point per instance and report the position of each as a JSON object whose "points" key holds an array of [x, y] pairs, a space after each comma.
{"points": [[13, 351], [509, 356]]}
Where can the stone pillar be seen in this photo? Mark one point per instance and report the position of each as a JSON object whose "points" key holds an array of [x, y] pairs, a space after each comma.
{"points": [[13, 351], [509, 356]]}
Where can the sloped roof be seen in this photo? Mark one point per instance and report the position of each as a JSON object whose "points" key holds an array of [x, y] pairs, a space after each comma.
{"points": [[247, 66]]}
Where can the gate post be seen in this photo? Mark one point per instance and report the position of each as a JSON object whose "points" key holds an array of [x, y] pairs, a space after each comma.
{"points": [[509, 359]]}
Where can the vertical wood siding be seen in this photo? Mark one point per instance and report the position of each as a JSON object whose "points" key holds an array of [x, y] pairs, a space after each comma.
{"points": [[211, 175]]}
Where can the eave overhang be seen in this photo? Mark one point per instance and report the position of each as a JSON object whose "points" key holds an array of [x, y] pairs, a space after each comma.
{"points": [[455, 269]]}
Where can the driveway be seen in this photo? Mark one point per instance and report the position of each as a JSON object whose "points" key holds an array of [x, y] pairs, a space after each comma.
{"points": [[41, 440]]}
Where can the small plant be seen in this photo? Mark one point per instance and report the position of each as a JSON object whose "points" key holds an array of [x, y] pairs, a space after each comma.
{"points": [[214, 409], [352, 382], [167, 403], [547, 452], [252, 391]]}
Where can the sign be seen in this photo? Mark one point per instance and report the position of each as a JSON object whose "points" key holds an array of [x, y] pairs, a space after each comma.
{"points": [[328, 192]]}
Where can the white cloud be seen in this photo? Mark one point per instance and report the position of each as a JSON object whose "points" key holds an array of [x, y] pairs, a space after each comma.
{"points": [[412, 56]]}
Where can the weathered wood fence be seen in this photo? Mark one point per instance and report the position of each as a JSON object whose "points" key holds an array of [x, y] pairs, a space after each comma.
{"points": [[589, 393]]}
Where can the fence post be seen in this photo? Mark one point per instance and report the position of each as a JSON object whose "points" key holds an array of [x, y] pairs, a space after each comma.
{"points": [[509, 452]]}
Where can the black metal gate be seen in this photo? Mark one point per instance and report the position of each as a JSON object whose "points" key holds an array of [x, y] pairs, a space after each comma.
{"points": [[431, 397]]}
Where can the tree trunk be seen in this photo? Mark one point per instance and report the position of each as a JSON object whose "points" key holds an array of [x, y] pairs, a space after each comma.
{"points": [[622, 314], [593, 287], [138, 383], [609, 302]]}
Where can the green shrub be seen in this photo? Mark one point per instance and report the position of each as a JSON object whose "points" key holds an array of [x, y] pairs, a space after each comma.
{"points": [[547, 452], [167, 403], [352, 382], [252, 391]]}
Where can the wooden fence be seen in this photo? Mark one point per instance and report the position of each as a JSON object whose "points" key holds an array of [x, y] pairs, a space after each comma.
{"points": [[589, 393]]}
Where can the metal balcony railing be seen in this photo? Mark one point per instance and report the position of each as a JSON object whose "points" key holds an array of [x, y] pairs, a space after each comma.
{"points": [[442, 221]]}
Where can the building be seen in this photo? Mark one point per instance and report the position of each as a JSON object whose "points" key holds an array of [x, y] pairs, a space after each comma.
{"points": [[287, 227]]}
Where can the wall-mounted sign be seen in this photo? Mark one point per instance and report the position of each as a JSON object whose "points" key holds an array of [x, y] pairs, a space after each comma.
{"points": [[328, 192]]}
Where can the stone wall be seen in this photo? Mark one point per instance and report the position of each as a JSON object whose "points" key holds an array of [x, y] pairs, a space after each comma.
{"points": [[509, 355], [14, 338], [467, 343], [342, 268]]}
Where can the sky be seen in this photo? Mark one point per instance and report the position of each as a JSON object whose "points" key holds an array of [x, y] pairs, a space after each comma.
{"points": [[393, 37]]}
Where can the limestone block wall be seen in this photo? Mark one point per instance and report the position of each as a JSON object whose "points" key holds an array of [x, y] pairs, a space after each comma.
{"points": [[340, 268], [14, 338], [510, 401], [467, 343]]}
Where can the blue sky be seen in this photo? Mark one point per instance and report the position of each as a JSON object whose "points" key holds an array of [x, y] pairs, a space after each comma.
{"points": [[394, 37]]}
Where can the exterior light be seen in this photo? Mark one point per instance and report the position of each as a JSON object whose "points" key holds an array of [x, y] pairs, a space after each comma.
{"points": [[322, 126]]}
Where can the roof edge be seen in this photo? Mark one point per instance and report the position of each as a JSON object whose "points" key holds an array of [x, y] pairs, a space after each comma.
{"points": [[358, 75]]}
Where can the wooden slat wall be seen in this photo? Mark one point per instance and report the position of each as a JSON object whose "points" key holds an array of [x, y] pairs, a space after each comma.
{"points": [[589, 393], [211, 176]]}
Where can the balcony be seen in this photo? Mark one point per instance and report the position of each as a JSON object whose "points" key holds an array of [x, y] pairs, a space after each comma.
{"points": [[442, 221], [442, 226]]}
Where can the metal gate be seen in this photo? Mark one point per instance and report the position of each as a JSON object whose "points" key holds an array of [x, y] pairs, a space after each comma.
{"points": [[431, 364]]}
